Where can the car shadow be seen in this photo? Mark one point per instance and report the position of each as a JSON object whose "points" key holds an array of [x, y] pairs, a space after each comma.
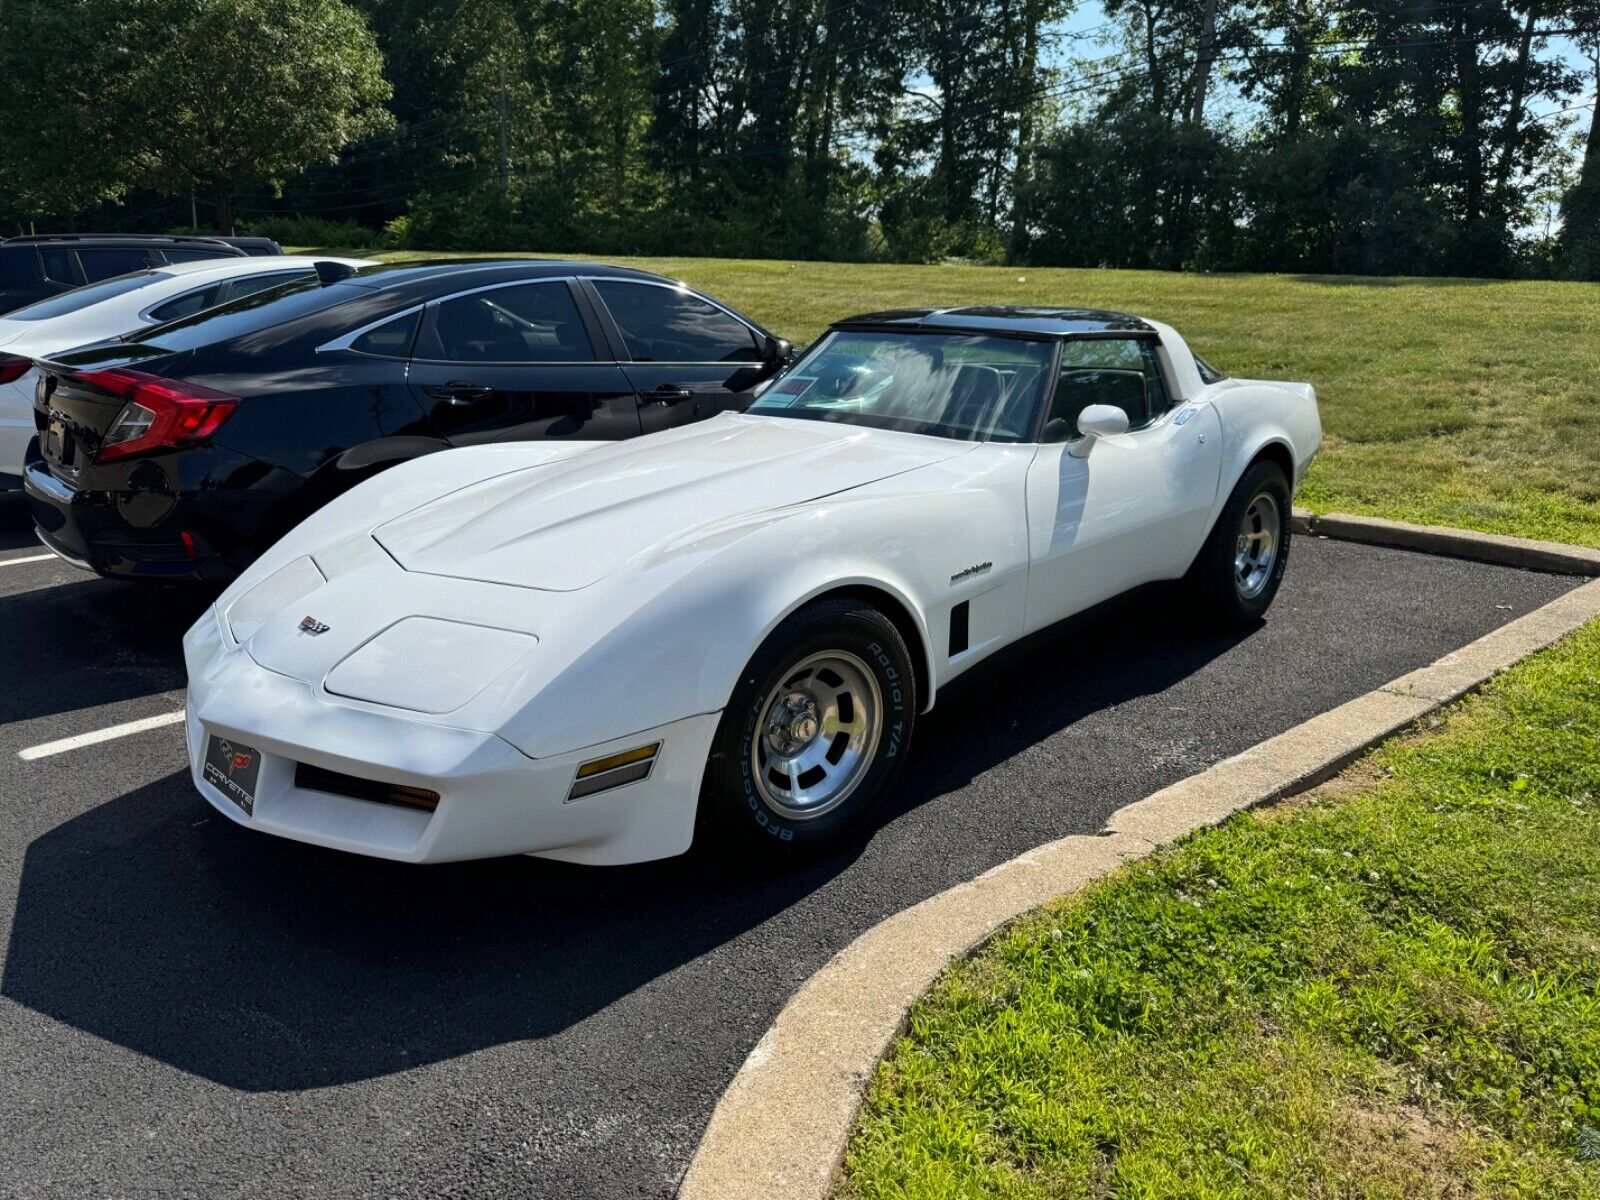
{"points": [[16, 523], [96, 641], [263, 964]]}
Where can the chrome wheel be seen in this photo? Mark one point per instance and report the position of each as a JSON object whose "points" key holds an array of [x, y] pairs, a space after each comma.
{"points": [[1256, 548], [817, 735]]}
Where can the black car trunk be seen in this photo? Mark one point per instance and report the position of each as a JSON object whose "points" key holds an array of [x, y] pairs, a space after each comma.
{"points": [[73, 409]]}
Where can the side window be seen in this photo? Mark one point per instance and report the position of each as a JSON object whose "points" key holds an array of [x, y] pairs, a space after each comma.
{"points": [[17, 267], [665, 325], [186, 305], [531, 323], [102, 262], [59, 267], [1122, 372], [1208, 373], [174, 255], [252, 284], [392, 339]]}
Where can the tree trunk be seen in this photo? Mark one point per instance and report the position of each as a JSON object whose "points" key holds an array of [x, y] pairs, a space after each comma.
{"points": [[224, 194], [1152, 59], [1511, 133], [1471, 95], [1025, 126], [1204, 62]]}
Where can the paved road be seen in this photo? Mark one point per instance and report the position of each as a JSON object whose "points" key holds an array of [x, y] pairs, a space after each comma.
{"points": [[193, 1010]]}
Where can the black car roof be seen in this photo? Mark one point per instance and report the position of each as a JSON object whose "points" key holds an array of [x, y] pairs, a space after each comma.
{"points": [[429, 279], [1025, 320]]}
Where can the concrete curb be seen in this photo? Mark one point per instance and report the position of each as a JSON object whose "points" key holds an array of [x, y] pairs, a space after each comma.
{"points": [[782, 1126], [1454, 543]]}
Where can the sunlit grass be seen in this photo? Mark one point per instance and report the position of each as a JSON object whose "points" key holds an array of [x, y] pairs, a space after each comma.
{"points": [[1388, 989]]}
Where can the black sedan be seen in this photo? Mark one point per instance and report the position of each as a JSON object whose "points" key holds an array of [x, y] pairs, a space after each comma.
{"points": [[183, 455]]}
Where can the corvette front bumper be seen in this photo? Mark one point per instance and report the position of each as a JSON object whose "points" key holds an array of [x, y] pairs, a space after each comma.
{"points": [[493, 799]]}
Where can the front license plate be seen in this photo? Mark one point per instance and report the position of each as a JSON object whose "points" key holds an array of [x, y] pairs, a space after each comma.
{"points": [[231, 767]]}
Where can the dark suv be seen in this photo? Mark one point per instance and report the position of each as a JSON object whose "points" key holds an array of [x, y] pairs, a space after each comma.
{"points": [[41, 265]]}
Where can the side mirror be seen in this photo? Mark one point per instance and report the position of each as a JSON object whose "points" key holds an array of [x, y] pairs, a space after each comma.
{"points": [[778, 351], [1095, 422]]}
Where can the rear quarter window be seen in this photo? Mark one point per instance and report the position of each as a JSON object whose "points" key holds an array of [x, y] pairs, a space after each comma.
{"points": [[252, 314]]}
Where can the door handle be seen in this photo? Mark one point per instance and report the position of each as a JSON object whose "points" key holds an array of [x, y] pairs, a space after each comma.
{"points": [[667, 394], [458, 391]]}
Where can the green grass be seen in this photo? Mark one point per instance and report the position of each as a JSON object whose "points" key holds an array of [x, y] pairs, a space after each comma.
{"points": [[1390, 988], [1447, 402]]}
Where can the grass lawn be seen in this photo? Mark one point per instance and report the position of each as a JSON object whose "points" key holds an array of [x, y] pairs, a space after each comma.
{"points": [[1390, 988], [1448, 402]]}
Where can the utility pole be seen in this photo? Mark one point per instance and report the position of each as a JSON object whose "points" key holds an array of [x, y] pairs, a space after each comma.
{"points": [[1202, 67], [194, 213], [505, 135]]}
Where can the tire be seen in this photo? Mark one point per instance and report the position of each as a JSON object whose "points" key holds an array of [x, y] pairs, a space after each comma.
{"points": [[1234, 581], [788, 696]]}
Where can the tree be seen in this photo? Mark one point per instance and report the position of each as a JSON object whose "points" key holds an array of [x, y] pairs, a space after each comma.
{"points": [[221, 93], [1580, 210], [58, 134]]}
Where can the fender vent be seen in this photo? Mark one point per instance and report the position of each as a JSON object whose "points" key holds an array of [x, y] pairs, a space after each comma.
{"points": [[959, 621], [319, 779]]}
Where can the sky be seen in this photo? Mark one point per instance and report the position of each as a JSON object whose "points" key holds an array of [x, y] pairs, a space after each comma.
{"points": [[1090, 17]]}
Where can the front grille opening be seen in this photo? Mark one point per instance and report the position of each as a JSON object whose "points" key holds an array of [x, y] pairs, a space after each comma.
{"points": [[319, 779]]}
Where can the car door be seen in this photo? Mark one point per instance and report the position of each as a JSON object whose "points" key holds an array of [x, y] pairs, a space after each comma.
{"points": [[1134, 507], [519, 360], [687, 358]]}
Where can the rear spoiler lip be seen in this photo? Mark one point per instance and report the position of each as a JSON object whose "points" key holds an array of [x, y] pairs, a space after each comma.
{"points": [[126, 354]]}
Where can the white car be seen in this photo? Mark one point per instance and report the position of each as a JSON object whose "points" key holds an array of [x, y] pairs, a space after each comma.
{"points": [[112, 308], [591, 651]]}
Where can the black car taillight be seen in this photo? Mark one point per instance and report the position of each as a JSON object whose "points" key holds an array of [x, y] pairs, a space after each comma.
{"points": [[157, 413]]}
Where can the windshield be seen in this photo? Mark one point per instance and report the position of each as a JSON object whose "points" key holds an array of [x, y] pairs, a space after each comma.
{"points": [[79, 298], [970, 388], [271, 306]]}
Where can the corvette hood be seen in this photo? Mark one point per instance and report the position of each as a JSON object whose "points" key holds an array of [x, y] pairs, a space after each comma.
{"points": [[563, 526]]}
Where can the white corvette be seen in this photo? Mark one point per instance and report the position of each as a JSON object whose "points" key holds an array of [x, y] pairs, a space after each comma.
{"points": [[590, 651]]}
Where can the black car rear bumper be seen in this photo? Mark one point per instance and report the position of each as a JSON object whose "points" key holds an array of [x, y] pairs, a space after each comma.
{"points": [[91, 529]]}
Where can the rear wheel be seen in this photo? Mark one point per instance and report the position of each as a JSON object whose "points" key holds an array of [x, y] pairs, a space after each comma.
{"points": [[1237, 573], [815, 732]]}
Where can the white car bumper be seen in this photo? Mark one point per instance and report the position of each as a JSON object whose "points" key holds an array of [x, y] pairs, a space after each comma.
{"points": [[493, 799], [16, 428]]}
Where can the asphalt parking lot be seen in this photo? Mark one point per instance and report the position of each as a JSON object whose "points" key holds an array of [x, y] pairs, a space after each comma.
{"points": [[190, 1009]]}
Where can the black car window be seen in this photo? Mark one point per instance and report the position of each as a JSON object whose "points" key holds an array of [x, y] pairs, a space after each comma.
{"points": [[186, 305], [662, 324], [1124, 373], [102, 262], [392, 339], [59, 266], [528, 323], [275, 306]]}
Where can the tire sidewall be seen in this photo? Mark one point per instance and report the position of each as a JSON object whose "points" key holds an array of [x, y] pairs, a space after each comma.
{"points": [[1266, 478], [730, 797]]}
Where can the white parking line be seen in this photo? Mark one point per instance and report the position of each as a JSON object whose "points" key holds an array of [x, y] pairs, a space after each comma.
{"points": [[46, 749], [11, 562]]}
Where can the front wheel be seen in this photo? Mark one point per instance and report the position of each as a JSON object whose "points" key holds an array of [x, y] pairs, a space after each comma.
{"points": [[1238, 571], [816, 731]]}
